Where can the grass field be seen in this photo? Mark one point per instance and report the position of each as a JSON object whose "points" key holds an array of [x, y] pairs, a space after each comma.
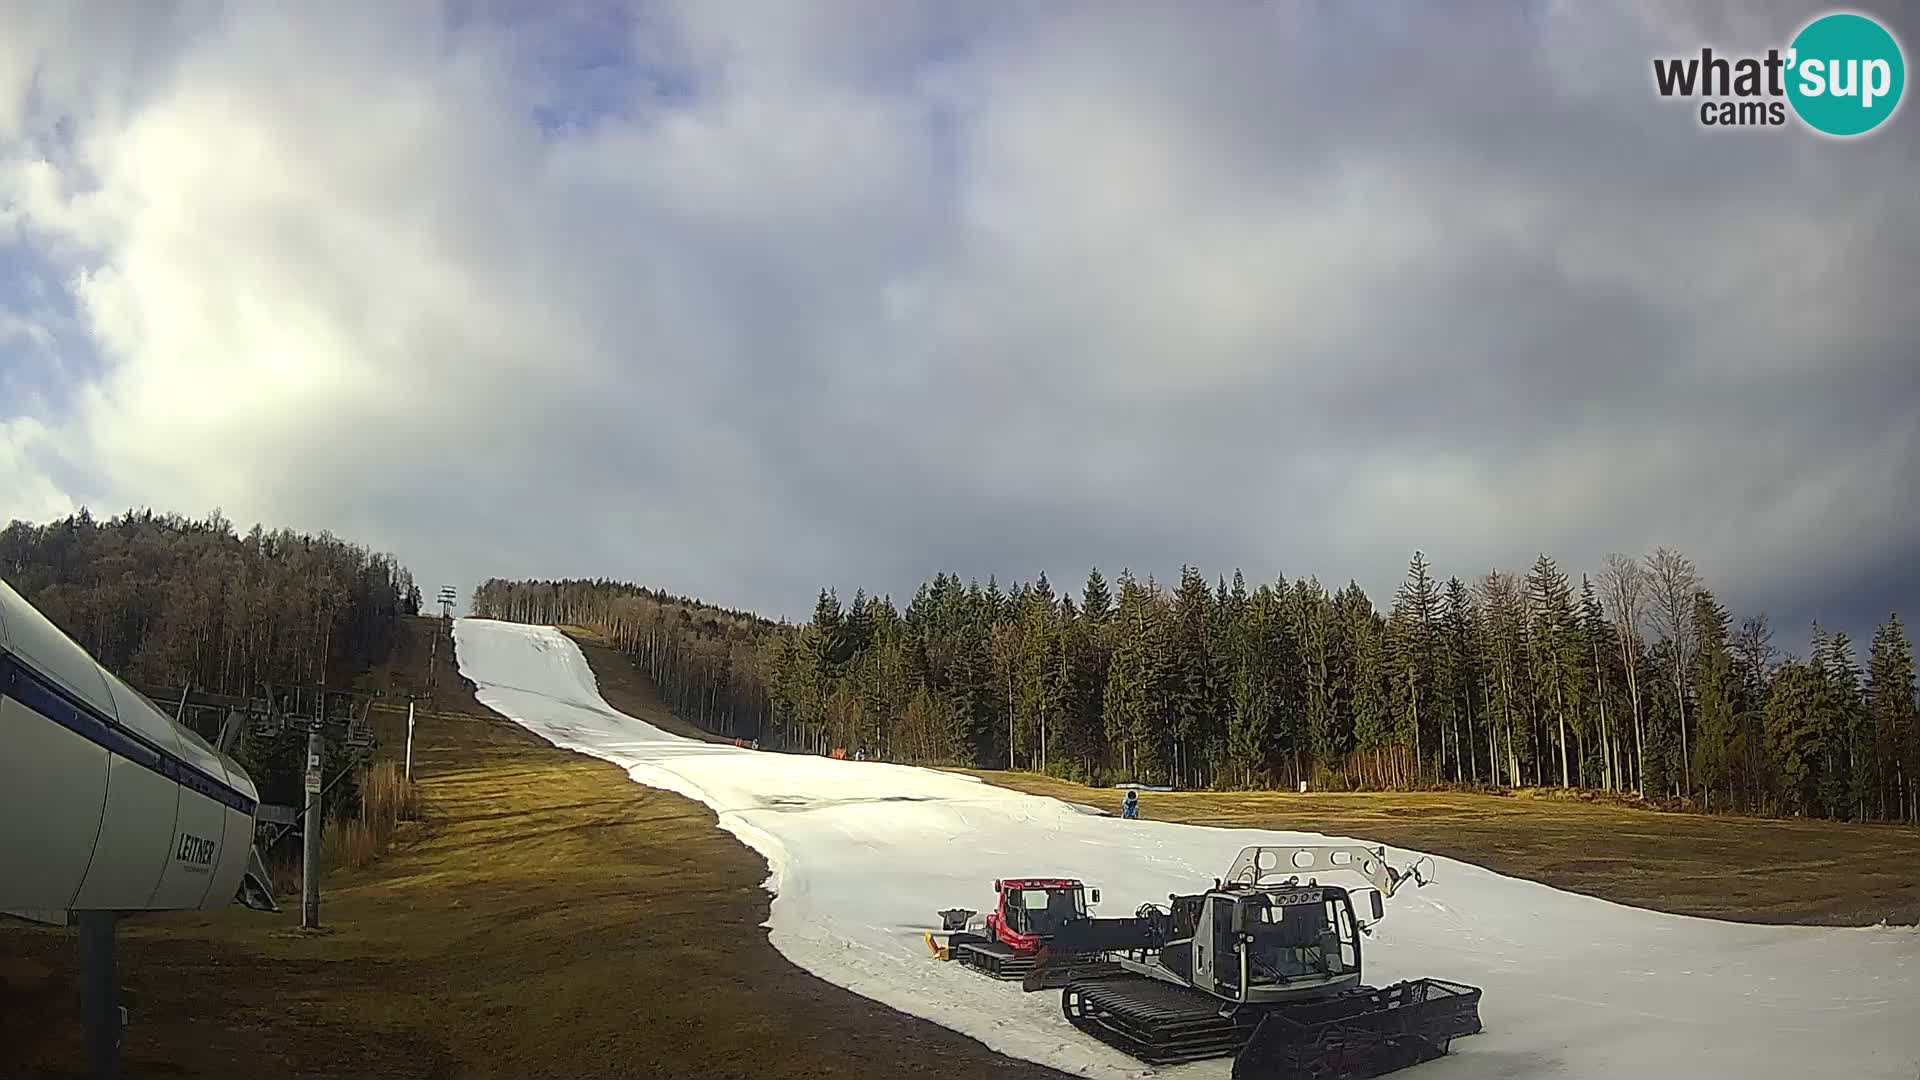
{"points": [[1747, 869], [549, 918]]}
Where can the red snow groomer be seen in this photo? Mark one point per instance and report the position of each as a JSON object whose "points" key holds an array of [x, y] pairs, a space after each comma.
{"points": [[1014, 941]]}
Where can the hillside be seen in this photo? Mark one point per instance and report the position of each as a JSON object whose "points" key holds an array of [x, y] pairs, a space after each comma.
{"points": [[862, 854], [561, 911], [1516, 682], [547, 919]]}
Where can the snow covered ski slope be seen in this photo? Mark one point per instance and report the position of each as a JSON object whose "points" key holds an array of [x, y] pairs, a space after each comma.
{"points": [[863, 854]]}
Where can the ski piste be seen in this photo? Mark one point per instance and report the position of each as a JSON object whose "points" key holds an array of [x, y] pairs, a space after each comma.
{"points": [[862, 854]]}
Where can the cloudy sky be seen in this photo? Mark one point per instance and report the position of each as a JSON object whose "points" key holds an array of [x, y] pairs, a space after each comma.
{"points": [[743, 299]]}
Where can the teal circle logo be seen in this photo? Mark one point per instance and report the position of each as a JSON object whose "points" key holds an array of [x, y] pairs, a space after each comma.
{"points": [[1845, 74]]}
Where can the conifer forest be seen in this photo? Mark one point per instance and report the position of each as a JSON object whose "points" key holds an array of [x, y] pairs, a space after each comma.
{"points": [[1634, 679]]}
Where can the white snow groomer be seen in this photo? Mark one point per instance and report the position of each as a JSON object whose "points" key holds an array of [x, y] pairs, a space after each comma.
{"points": [[1266, 966]]}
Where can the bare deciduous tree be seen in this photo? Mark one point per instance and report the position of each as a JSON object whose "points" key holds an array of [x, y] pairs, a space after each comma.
{"points": [[1623, 589], [1672, 581]]}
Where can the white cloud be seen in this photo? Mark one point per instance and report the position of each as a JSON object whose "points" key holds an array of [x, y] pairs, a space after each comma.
{"points": [[28, 494]]}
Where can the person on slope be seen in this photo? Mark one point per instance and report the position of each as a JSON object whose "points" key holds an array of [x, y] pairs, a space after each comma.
{"points": [[1130, 808]]}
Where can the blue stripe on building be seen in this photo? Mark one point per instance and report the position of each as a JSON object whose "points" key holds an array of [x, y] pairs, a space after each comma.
{"points": [[43, 696]]}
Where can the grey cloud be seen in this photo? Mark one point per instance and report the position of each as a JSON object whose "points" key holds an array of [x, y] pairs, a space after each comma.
{"points": [[891, 289]]}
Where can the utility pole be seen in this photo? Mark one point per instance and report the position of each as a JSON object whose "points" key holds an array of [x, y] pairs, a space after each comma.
{"points": [[286, 709], [446, 623], [310, 862], [410, 703]]}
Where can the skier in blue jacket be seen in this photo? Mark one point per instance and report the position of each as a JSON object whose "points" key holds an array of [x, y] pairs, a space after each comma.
{"points": [[1131, 807]]}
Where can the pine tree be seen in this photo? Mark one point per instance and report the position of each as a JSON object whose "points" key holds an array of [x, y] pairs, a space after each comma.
{"points": [[1092, 659], [1126, 700], [1225, 614], [1794, 733], [1896, 718], [1503, 626], [914, 633], [1150, 729], [1401, 675], [831, 647], [1598, 648], [970, 699], [1095, 600], [1192, 691], [1716, 687], [1004, 648], [1417, 616], [1042, 687], [1849, 730], [876, 708], [793, 684], [1315, 629], [1249, 729], [858, 624], [1286, 741], [1363, 636], [1552, 654], [1462, 666], [1663, 723]]}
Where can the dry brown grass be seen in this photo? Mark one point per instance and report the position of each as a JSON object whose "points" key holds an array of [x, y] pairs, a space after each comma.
{"points": [[584, 634], [628, 689], [388, 802], [387, 799], [1746, 869], [546, 918]]}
